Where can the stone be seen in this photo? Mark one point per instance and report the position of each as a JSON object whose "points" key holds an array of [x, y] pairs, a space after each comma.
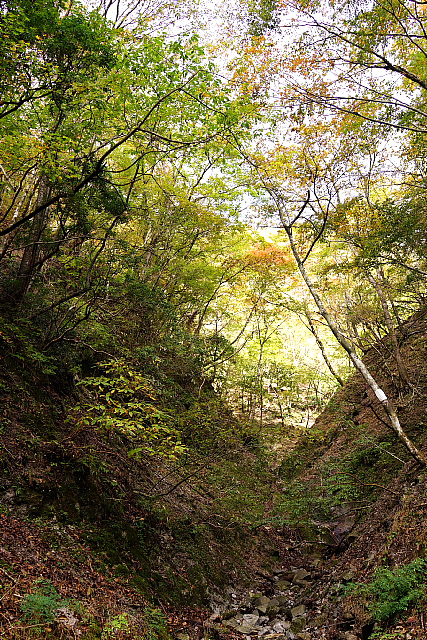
{"points": [[261, 603], [300, 574], [273, 611], [298, 611], [303, 635], [273, 603], [232, 622], [302, 583], [247, 629], [282, 585], [281, 627], [251, 618], [298, 624], [289, 575], [282, 600]]}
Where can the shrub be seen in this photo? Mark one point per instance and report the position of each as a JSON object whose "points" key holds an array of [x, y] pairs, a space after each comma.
{"points": [[392, 591], [41, 605]]}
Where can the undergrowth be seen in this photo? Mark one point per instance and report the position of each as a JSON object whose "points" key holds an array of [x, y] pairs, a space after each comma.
{"points": [[392, 591]]}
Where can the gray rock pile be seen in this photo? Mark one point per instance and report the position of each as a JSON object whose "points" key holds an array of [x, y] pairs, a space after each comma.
{"points": [[279, 617]]}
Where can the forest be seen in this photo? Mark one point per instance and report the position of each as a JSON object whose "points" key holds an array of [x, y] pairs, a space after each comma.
{"points": [[213, 319]]}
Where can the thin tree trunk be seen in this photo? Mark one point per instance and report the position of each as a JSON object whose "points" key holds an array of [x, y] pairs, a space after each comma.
{"points": [[322, 350], [357, 362]]}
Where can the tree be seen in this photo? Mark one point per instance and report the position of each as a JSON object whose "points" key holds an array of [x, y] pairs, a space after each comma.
{"points": [[289, 221]]}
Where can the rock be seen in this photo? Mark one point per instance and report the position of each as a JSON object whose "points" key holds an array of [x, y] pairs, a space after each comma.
{"points": [[298, 624], [232, 622], [261, 603], [281, 627], [300, 574], [251, 618], [298, 611], [273, 611], [273, 603], [289, 575], [282, 585], [303, 635], [247, 629], [282, 600]]}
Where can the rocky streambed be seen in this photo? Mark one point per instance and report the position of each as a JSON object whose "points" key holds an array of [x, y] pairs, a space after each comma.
{"points": [[292, 610]]}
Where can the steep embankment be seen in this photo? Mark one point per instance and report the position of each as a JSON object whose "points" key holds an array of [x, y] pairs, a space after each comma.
{"points": [[98, 541]]}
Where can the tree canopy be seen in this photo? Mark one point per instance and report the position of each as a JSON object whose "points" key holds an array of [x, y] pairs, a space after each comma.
{"points": [[138, 167]]}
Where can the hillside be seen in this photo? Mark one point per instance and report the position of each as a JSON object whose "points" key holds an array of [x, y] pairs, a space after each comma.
{"points": [[97, 544]]}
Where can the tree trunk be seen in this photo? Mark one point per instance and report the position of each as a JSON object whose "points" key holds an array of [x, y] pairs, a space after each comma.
{"points": [[322, 350], [357, 362], [32, 250]]}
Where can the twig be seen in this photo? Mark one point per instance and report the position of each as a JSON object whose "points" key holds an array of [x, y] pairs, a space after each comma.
{"points": [[7, 574]]}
